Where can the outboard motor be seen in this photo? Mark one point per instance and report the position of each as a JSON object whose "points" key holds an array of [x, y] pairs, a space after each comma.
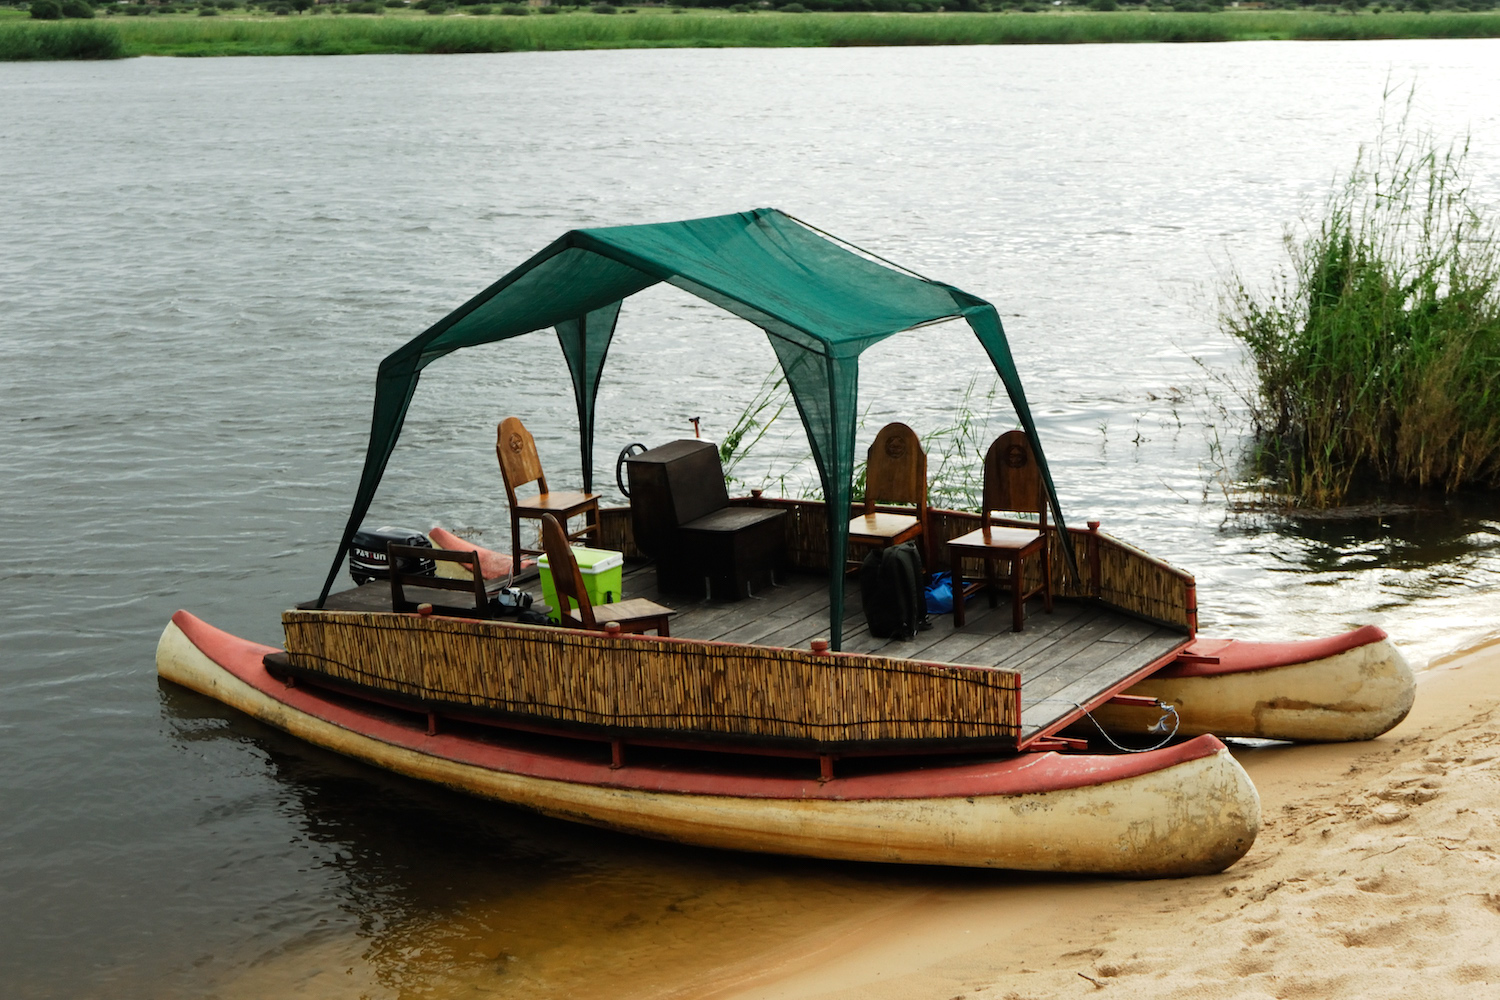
{"points": [[367, 554]]}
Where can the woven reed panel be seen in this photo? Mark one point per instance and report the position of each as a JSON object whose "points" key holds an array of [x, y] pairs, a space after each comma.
{"points": [[804, 530], [1129, 579], [642, 682], [1133, 581], [616, 532]]}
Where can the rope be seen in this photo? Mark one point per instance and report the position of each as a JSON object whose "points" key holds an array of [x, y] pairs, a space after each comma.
{"points": [[1159, 727], [874, 256]]}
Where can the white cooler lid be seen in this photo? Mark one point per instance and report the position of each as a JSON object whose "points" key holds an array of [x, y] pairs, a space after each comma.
{"points": [[591, 561]]}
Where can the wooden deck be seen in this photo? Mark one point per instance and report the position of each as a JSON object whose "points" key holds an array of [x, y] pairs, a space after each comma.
{"points": [[1070, 660]]}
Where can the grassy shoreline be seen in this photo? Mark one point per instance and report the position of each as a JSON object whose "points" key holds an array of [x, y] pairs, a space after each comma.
{"points": [[119, 37]]}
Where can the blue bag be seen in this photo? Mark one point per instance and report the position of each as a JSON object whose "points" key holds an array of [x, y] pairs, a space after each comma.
{"points": [[940, 594]]}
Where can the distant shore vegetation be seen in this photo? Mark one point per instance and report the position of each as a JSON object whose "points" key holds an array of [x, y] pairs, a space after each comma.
{"points": [[81, 29]]}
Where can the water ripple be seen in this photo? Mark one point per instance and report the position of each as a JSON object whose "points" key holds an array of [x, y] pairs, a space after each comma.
{"points": [[205, 259]]}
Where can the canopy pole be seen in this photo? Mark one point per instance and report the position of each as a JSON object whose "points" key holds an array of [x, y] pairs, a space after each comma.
{"points": [[838, 554], [585, 342], [394, 387], [843, 403], [825, 389]]}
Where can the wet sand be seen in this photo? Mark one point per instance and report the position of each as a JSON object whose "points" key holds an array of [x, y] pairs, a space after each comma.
{"points": [[1375, 875]]}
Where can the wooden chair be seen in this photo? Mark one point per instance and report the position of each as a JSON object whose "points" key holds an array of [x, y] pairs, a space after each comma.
{"points": [[634, 615], [1012, 483], [520, 466], [895, 473], [411, 555]]}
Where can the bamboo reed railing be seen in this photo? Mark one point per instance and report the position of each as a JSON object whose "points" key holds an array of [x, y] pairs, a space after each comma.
{"points": [[616, 533], [1111, 571], [641, 683]]}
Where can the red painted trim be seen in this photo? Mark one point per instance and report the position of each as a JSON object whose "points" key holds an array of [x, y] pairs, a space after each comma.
{"points": [[1233, 656], [1023, 774], [1134, 701], [1060, 743]]}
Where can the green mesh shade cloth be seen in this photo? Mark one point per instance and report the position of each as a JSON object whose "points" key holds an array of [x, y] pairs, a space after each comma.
{"points": [[820, 303], [585, 341]]}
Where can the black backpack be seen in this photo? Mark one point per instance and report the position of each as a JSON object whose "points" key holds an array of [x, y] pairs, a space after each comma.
{"points": [[892, 585]]}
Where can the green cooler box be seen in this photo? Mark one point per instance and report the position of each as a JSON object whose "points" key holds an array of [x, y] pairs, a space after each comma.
{"points": [[602, 571]]}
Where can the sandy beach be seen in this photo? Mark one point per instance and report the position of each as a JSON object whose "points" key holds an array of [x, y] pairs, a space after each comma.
{"points": [[1375, 875]]}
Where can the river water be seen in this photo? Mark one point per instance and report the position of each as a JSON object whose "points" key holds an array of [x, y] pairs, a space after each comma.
{"points": [[204, 260]]}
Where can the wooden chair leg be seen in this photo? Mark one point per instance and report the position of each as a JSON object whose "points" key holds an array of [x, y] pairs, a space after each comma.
{"points": [[958, 592], [989, 582], [854, 556], [1047, 580], [515, 544], [589, 533], [1017, 593]]}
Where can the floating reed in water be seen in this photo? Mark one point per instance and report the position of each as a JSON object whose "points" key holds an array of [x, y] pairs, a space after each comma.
{"points": [[637, 682]]}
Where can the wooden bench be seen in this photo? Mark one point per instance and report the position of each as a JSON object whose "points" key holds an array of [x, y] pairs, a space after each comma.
{"points": [[474, 585]]}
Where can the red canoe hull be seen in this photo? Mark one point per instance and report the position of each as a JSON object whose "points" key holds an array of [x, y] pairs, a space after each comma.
{"points": [[1183, 810]]}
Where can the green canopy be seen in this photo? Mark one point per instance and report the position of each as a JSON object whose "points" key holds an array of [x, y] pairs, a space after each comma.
{"points": [[820, 302]]}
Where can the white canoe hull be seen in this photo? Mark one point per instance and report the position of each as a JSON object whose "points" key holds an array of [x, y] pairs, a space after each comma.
{"points": [[1193, 817], [1356, 694]]}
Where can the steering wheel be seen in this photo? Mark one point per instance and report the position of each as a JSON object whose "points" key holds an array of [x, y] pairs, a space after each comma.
{"points": [[626, 452]]}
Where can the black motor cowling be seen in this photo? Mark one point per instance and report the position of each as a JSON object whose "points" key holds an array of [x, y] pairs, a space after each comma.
{"points": [[367, 553]]}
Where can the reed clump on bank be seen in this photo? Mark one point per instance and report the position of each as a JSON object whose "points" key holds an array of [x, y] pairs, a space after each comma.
{"points": [[357, 34], [19, 42], [1377, 350]]}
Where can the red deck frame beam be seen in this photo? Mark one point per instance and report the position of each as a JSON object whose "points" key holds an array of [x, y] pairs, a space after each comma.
{"points": [[1106, 695]]}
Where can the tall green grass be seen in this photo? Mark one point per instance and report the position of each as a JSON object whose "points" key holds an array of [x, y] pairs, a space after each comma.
{"points": [[336, 35], [1377, 350], [590, 31], [955, 451], [61, 41], [764, 409]]}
